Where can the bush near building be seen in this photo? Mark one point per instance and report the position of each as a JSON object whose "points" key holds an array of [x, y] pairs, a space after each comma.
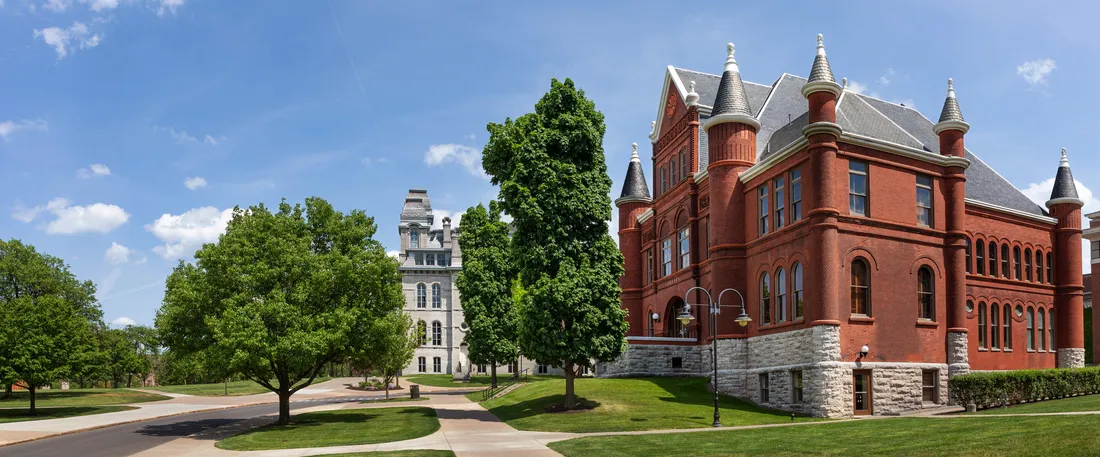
{"points": [[1011, 387]]}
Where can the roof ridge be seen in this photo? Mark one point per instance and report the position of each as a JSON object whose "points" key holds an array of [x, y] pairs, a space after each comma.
{"points": [[763, 106], [891, 121]]}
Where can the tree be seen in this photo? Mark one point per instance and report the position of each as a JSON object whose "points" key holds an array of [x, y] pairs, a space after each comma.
{"points": [[390, 344], [485, 285], [124, 356], [281, 294], [553, 181], [46, 317]]}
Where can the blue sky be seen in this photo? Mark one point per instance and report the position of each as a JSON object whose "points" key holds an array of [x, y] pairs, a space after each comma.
{"points": [[129, 127]]}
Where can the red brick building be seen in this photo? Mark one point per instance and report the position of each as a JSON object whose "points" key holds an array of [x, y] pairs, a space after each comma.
{"points": [[845, 222]]}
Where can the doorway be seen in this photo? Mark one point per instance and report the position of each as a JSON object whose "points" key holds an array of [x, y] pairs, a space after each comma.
{"points": [[861, 392]]}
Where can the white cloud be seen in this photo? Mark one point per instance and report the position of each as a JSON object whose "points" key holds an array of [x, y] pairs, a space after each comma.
{"points": [[437, 224], [394, 254], [100, 5], [182, 136], [210, 140], [9, 127], [70, 220], [168, 7], [1035, 72], [186, 233], [471, 137], [468, 157], [123, 322], [117, 254], [194, 183], [1040, 193], [884, 80], [57, 6], [856, 86], [93, 170], [63, 40]]}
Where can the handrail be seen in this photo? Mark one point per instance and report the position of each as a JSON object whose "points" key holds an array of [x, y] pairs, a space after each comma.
{"points": [[516, 377]]}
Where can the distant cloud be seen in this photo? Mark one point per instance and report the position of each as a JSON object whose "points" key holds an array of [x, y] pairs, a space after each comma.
{"points": [[468, 157], [439, 214], [71, 220], [194, 183], [1035, 72], [884, 80], [1040, 193], [856, 86], [186, 233], [168, 7], [471, 137], [368, 161], [94, 170], [7, 128], [394, 254], [211, 140], [182, 136], [57, 6], [64, 40], [123, 322], [100, 5]]}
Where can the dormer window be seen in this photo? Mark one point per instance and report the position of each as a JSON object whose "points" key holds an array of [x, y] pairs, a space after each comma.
{"points": [[414, 238]]}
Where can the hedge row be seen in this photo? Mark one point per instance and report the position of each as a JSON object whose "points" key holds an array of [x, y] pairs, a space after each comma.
{"points": [[995, 388]]}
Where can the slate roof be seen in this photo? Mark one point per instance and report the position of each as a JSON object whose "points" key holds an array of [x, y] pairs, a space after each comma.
{"points": [[782, 112], [417, 206], [634, 186], [1063, 181]]}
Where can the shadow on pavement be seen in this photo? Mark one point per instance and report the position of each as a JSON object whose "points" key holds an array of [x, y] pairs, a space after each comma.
{"points": [[181, 429]]}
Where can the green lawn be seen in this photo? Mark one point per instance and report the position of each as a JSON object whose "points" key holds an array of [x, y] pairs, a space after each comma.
{"points": [[444, 380], [339, 428], [627, 404], [79, 397], [424, 453], [958, 436], [20, 414], [1083, 403], [218, 389], [394, 400]]}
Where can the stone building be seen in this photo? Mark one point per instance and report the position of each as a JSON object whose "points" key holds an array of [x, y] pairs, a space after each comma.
{"points": [[875, 254]]}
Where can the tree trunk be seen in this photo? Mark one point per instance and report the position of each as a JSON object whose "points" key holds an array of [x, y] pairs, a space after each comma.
{"points": [[7, 391], [570, 397], [33, 390], [284, 407], [129, 380], [494, 372]]}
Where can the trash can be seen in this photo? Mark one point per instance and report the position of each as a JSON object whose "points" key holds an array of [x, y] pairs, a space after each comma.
{"points": [[414, 391]]}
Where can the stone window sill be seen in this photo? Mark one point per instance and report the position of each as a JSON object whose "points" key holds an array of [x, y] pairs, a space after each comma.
{"points": [[1006, 350], [1030, 350], [861, 319], [983, 350], [927, 323], [995, 349]]}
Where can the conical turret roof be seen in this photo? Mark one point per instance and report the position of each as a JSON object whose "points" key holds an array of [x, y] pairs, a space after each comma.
{"points": [[634, 186], [1065, 191]]}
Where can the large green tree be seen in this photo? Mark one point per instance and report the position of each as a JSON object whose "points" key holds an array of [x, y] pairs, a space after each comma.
{"points": [[281, 294], [389, 345], [485, 284], [553, 181], [46, 318]]}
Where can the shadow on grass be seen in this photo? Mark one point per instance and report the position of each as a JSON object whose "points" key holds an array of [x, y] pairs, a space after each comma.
{"points": [[696, 392], [543, 405]]}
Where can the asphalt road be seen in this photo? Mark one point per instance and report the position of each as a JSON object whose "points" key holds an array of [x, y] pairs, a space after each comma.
{"points": [[127, 439]]}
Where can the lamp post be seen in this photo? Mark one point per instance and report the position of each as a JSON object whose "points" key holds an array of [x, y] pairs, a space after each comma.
{"points": [[715, 308]]}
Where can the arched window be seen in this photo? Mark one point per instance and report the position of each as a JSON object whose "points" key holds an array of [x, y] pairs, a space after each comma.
{"points": [[1030, 329], [765, 300], [422, 331], [980, 264], [414, 238], [1050, 329], [994, 326], [982, 332], [1027, 264], [1040, 330], [969, 256], [861, 287], [1005, 272], [652, 321], [781, 294], [1016, 264], [1050, 269], [421, 296], [796, 273], [437, 333], [926, 297], [437, 296], [993, 259], [1039, 266], [673, 327], [1007, 316]]}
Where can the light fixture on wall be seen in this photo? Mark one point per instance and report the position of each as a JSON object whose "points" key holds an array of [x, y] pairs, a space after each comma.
{"points": [[863, 351], [656, 317]]}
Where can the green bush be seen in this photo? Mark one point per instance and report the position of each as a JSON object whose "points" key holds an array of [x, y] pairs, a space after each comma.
{"points": [[996, 388]]}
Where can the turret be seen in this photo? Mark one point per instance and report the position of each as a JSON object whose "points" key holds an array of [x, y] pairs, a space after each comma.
{"points": [[821, 90], [632, 202], [951, 128], [1069, 301]]}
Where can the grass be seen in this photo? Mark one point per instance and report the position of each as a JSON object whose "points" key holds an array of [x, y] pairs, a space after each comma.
{"points": [[444, 380], [627, 404], [959, 436], [418, 453], [338, 428], [235, 388], [79, 397], [20, 414], [1072, 404], [394, 400]]}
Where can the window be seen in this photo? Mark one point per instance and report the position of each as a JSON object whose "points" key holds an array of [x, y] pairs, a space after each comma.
{"points": [[1050, 329], [982, 330], [1027, 264], [707, 224], [1030, 329], [437, 296], [796, 386], [1039, 266], [481, 368], [685, 166], [969, 257], [431, 259], [685, 247], [924, 200], [437, 365], [861, 287], [648, 266], [652, 322], [510, 368], [677, 362], [437, 333], [781, 295], [543, 369], [992, 259], [1004, 262], [796, 273], [419, 258], [765, 390], [672, 166], [857, 188], [1016, 264], [929, 385], [979, 263], [1007, 316], [1040, 334], [994, 326], [445, 260], [1095, 250], [666, 257], [926, 298], [664, 178], [422, 364], [1050, 269], [796, 195], [765, 300], [779, 204], [421, 296], [422, 329], [763, 192], [414, 238]]}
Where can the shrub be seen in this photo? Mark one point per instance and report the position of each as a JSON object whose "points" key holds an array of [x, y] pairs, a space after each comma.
{"points": [[996, 388]]}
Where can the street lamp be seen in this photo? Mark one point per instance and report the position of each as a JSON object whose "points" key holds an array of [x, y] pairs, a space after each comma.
{"points": [[715, 308]]}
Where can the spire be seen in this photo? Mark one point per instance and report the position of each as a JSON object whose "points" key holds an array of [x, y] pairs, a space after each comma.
{"points": [[951, 117], [635, 188], [731, 104], [692, 98], [1065, 191], [821, 75]]}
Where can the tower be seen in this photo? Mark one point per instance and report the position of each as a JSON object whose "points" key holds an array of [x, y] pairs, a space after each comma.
{"points": [[1069, 300], [633, 201]]}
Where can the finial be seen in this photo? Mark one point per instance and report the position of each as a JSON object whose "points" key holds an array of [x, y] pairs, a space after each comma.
{"points": [[692, 98], [950, 88], [845, 81], [634, 153], [1065, 161], [731, 63], [820, 45], [652, 127]]}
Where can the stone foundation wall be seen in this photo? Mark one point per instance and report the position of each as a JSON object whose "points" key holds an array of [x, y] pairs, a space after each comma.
{"points": [[657, 360], [1071, 357]]}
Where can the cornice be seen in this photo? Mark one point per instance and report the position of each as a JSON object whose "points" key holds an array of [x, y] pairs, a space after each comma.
{"points": [[1014, 212], [725, 118], [943, 126]]}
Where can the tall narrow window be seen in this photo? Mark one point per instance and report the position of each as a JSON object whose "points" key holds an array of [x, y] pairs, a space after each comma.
{"points": [[993, 259], [781, 295], [1050, 329], [780, 203], [924, 200], [431, 258], [765, 300], [982, 332], [421, 296], [419, 258], [1050, 269], [675, 173], [664, 178], [652, 322], [796, 276], [685, 248], [1027, 264], [1016, 274], [422, 364], [861, 287], [1039, 266], [437, 333], [437, 296], [979, 262], [1007, 316], [765, 390], [857, 188], [796, 195], [437, 365], [666, 257], [707, 224], [763, 195], [1039, 330], [649, 266], [929, 384], [1030, 329], [685, 166], [969, 257], [926, 297], [1005, 272], [1094, 250], [796, 386], [414, 238], [994, 326]]}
